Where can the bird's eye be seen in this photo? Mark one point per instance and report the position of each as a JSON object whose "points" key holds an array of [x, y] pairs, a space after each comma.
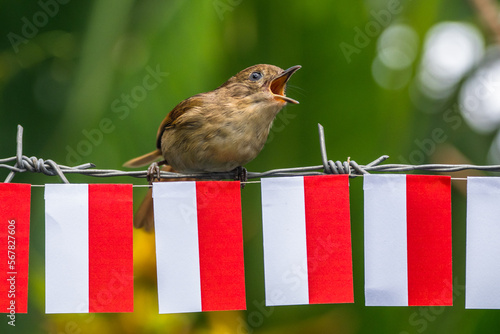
{"points": [[255, 76]]}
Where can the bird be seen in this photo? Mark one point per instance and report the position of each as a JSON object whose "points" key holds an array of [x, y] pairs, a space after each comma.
{"points": [[220, 130]]}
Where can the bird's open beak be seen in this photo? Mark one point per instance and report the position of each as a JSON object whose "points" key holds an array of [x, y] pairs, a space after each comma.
{"points": [[279, 83]]}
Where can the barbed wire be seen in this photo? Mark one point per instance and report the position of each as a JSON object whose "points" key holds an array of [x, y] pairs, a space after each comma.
{"points": [[24, 163]]}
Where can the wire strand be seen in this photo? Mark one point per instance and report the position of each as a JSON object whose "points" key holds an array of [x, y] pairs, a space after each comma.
{"points": [[24, 163]]}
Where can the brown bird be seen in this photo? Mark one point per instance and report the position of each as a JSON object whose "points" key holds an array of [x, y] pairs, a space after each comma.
{"points": [[220, 130]]}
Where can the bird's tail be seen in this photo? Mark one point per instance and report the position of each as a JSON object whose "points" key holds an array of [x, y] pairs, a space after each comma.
{"points": [[143, 160], [144, 217]]}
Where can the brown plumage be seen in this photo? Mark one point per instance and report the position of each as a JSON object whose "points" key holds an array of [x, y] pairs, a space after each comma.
{"points": [[223, 129]]}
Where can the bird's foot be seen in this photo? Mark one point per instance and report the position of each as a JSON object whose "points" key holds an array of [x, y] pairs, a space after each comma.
{"points": [[153, 172], [241, 175]]}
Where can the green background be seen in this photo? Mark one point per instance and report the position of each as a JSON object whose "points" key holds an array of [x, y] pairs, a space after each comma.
{"points": [[76, 84]]}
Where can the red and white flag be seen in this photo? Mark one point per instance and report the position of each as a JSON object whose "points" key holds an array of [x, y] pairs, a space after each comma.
{"points": [[88, 248], [407, 240], [199, 246], [14, 246], [482, 271], [307, 240]]}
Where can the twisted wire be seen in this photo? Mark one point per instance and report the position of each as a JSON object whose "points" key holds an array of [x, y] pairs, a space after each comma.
{"points": [[48, 167]]}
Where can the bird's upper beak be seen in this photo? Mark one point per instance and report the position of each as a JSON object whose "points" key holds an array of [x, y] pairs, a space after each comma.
{"points": [[278, 84]]}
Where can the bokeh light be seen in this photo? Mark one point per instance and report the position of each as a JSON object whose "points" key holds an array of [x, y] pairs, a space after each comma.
{"points": [[451, 49], [398, 46], [397, 49], [479, 97]]}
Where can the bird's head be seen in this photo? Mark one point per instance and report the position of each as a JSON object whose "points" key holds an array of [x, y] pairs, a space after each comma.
{"points": [[261, 83]]}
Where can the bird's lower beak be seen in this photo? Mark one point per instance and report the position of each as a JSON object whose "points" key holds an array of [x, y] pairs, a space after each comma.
{"points": [[279, 83]]}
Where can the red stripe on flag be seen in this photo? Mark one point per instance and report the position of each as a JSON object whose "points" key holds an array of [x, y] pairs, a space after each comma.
{"points": [[14, 245], [328, 233], [111, 285], [220, 238], [428, 208]]}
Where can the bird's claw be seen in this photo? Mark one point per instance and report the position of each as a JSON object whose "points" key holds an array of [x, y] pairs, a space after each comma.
{"points": [[153, 173], [241, 175]]}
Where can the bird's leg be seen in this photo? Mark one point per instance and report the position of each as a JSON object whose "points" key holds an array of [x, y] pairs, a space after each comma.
{"points": [[241, 175], [153, 172]]}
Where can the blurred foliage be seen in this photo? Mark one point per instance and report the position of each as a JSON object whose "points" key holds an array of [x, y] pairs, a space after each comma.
{"points": [[90, 81]]}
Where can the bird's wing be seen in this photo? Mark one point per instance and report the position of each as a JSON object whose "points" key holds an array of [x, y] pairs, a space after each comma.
{"points": [[173, 118]]}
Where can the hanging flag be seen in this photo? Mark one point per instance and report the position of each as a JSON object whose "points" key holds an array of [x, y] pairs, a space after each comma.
{"points": [[14, 246], [307, 240], [199, 246], [482, 272], [407, 240], [88, 248]]}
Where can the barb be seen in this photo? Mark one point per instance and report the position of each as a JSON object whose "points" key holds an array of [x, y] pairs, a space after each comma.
{"points": [[49, 167]]}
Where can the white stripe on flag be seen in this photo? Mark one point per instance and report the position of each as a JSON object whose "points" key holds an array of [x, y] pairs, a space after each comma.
{"points": [[386, 277], [66, 248], [284, 233], [483, 248], [177, 255]]}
